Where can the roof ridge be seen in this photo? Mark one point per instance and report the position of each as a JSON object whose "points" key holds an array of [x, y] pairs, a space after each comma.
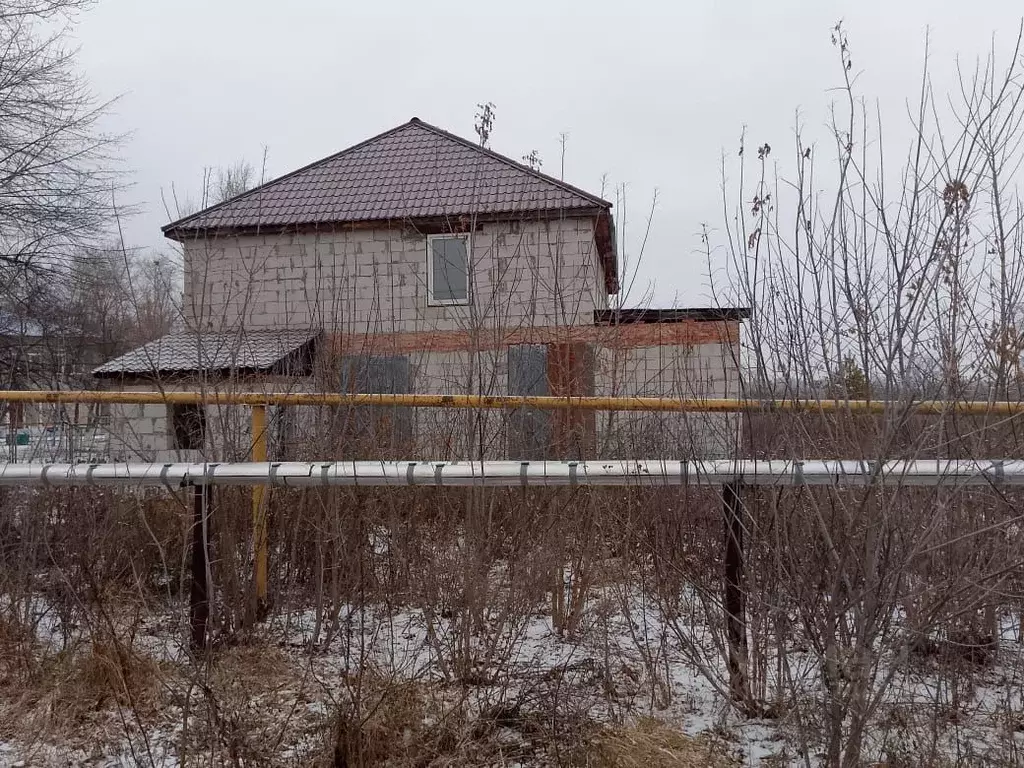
{"points": [[414, 122], [175, 224], [509, 161]]}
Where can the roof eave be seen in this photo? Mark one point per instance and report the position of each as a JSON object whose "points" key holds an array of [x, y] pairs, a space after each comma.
{"points": [[181, 234], [675, 315], [166, 374]]}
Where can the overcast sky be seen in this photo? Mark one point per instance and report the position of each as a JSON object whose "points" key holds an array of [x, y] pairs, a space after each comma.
{"points": [[649, 94]]}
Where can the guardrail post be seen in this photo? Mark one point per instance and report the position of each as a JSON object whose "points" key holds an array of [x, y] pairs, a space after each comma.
{"points": [[260, 535], [199, 594], [734, 602]]}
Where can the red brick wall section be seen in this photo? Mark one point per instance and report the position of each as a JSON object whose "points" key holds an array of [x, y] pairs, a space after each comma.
{"points": [[686, 333], [571, 372]]}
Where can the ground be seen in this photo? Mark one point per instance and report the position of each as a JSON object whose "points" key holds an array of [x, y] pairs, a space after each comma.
{"points": [[405, 687]]}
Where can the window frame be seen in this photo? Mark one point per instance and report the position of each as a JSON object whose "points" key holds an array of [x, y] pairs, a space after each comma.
{"points": [[434, 302]]}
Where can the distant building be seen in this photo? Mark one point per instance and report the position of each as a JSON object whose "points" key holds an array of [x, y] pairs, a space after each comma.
{"points": [[36, 354]]}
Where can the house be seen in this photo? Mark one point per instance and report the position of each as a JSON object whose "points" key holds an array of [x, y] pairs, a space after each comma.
{"points": [[418, 261]]}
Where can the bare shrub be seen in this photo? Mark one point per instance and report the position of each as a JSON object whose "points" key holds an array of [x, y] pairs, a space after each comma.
{"points": [[859, 293]]}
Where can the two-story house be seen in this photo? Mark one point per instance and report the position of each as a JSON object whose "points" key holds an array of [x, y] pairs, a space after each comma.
{"points": [[418, 261]]}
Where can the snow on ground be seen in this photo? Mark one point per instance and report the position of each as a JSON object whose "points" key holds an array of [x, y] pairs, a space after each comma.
{"points": [[403, 644], [605, 668]]}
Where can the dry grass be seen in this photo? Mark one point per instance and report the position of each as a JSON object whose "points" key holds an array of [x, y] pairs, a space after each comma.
{"points": [[104, 675], [82, 699], [261, 705], [652, 744], [248, 705], [389, 725]]}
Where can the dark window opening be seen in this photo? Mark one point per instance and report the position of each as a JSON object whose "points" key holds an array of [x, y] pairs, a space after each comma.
{"points": [[559, 370], [188, 422], [386, 430], [529, 429]]}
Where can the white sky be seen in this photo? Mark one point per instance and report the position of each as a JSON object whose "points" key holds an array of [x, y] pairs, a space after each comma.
{"points": [[649, 92]]}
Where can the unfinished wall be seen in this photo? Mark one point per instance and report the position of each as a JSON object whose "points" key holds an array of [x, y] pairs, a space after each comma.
{"points": [[685, 360], [701, 367], [145, 432], [139, 433], [535, 286], [523, 274]]}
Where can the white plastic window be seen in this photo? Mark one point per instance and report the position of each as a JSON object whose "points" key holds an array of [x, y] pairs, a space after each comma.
{"points": [[448, 269]]}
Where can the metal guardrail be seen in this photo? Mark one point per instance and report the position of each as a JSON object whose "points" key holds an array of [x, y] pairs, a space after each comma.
{"points": [[612, 472]]}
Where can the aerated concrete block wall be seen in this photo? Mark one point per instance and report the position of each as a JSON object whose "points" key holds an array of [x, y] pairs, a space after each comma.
{"points": [[541, 273], [706, 370], [145, 432], [534, 284]]}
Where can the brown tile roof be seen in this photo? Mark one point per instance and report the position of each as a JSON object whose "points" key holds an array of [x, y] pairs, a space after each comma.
{"points": [[180, 353], [413, 171]]}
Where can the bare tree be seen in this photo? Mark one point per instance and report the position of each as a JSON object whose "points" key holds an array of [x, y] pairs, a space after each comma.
{"points": [[218, 184], [898, 279], [156, 293], [40, 9], [55, 332], [232, 180], [56, 177], [483, 122]]}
